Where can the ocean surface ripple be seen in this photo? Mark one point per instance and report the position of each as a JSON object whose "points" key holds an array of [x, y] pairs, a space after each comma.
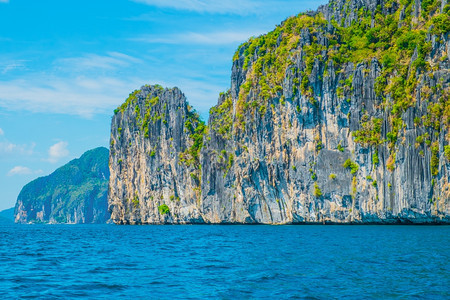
{"points": [[224, 262]]}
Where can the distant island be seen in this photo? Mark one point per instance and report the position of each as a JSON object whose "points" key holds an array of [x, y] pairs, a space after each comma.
{"points": [[76, 193], [339, 115], [7, 216]]}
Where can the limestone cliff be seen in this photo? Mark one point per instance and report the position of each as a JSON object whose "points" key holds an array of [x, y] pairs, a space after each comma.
{"points": [[155, 172], [75, 193], [339, 115]]}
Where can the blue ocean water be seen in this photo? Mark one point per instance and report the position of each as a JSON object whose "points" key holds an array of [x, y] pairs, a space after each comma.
{"points": [[224, 262]]}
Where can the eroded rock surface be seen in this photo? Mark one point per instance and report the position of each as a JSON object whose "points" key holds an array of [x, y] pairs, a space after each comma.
{"points": [[339, 115]]}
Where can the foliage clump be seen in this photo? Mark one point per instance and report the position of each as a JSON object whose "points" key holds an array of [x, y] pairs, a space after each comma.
{"points": [[317, 190], [375, 157], [163, 209], [370, 132], [351, 165], [223, 117], [135, 201], [196, 129], [434, 164], [129, 101], [447, 152]]}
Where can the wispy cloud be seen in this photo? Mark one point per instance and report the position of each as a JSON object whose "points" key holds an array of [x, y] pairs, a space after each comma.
{"points": [[209, 38], [84, 96], [4, 1], [242, 7], [111, 61], [209, 6], [96, 84], [84, 85], [8, 148], [58, 151], [19, 170], [12, 65]]}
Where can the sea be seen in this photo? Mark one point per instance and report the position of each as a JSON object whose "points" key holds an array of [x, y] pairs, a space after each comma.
{"points": [[224, 262]]}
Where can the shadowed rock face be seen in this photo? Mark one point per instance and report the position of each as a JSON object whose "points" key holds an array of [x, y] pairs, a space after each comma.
{"points": [[75, 193], [326, 120]]}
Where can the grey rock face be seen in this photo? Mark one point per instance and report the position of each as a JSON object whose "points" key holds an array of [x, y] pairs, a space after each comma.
{"points": [[152, 168], [293, 156]]}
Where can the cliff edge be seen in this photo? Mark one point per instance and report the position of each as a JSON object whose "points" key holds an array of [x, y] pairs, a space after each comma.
{"points": [[340, 115]]}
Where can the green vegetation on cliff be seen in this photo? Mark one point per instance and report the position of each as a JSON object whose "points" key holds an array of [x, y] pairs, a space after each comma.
{"points": [[389, 34], [74, 193], [196, 130], [335, 115], [223, 116], [163, 209]]}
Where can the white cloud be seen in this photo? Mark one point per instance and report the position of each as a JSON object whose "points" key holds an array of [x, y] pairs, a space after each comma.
{"points": [[75, 86], [89, 94], [57, 151], [84, 85], [4, 1], [2, 132], [210, 38], [8, 148], [19, 170]]}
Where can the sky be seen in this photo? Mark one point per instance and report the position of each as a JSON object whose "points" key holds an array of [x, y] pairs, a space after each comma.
{"points": [[66, 65]]}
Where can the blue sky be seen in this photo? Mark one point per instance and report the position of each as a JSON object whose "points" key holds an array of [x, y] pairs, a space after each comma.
{"points": [[65, 66]]}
